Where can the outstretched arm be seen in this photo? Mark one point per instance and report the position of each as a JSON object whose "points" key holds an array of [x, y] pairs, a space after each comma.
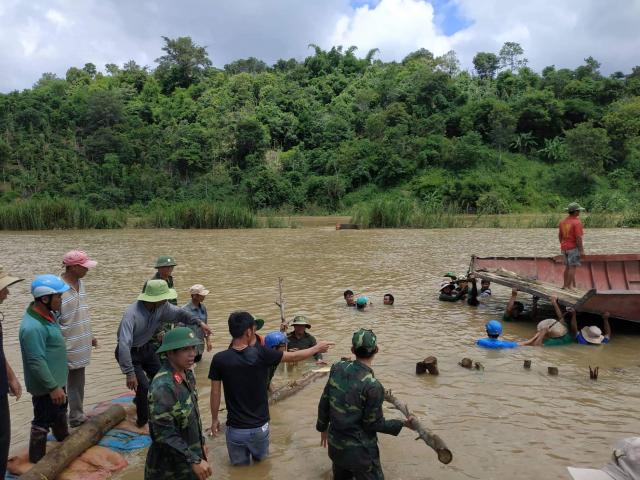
{"points": [[574, 322], [299, 355], [556, 308], [607, 327], [512, 301]]}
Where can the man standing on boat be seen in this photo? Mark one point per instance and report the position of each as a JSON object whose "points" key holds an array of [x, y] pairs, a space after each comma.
{"points": [[570, 234]]}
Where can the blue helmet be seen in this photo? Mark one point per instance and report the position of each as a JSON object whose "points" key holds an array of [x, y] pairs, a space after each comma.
{"points": [[273, 339], [494, 327], [47, 284], [362, 301]]}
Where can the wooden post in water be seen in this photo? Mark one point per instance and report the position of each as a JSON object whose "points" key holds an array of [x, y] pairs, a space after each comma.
{"points": [[431, 439], [552, 370], [85, 437], [280, 303], [466, 363]]}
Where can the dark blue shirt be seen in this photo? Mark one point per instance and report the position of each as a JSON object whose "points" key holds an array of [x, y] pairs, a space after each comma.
{"points": [[4, 381]]}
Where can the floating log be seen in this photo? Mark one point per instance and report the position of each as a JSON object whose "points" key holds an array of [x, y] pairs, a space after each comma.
{"points": [[593, 374], [347, 226], [552, 370], [295, 386], [431, 439], [466, 363], [86, 436], [527, 364]]}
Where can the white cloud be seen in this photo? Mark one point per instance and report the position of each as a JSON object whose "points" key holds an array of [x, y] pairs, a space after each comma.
{"points": [[396, 27], [57, 18]]}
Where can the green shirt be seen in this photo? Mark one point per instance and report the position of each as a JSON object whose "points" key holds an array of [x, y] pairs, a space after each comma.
{"points": [[566, 339], [351, 409], [306, 341], [44, 353]]}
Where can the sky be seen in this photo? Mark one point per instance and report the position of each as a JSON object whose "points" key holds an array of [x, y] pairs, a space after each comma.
{"points": [[40, 36]]}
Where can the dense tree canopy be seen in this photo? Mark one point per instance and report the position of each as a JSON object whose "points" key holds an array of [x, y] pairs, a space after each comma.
{"points": [[326, 132]]}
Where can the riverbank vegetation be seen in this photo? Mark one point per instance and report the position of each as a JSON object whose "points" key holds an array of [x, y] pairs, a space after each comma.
{"points": [[410, 143]]}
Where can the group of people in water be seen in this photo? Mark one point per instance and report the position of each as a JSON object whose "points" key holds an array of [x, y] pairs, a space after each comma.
{"points": [[158, 344]]}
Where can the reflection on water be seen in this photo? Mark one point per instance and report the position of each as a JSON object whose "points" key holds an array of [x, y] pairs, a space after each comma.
{"points": [[504, 422]]}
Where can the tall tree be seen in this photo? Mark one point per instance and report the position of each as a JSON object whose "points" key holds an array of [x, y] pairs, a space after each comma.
{"points": [[183, 64], [511, 56], [486, 64]]}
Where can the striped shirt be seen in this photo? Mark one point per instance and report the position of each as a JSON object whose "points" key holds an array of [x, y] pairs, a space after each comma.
{"points": [[76, 326]]}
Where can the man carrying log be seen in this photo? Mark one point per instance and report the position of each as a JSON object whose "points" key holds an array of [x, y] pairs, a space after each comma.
{"points": [[136, 350], [44, 356], [243, 369], [350, 414], [178, 449]]}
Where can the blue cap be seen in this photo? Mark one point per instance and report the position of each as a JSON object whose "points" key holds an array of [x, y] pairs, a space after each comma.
{"points": [[273, 339], [494, 327], [47, 284], [361, 301]]}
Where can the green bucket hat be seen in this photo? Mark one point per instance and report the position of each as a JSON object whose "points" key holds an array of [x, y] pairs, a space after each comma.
{"points": [[259, 323], [574, 207], [364, 339], [157, 290], [179, 337], [301, 320], [165, 261]]}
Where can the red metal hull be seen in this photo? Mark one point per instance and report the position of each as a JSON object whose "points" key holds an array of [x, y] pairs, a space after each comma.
{"points": [[615, 279]]}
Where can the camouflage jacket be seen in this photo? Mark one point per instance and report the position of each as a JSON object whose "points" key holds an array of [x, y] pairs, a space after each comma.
{"points": [[174, 425], [351, 408], [307, 341]]}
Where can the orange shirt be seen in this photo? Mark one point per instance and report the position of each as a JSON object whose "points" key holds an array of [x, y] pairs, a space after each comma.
{"points": [[570, 228]]}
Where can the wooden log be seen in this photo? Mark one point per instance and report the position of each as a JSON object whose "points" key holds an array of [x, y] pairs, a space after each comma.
{"points": [[527, 364], [295, 386], [280, 303], [86, 436], [593, 374], [552, 370], [431, 439], [466, 363]]}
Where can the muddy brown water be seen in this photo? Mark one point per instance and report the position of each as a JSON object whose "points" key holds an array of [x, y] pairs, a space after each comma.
{"points": [[504, 422]]}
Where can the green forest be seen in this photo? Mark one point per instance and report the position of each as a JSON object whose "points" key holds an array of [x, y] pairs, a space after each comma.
{"points": [[332, 133]]}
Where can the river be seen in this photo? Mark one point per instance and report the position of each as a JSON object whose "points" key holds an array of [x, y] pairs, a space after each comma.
{"points": [[503, 422]]}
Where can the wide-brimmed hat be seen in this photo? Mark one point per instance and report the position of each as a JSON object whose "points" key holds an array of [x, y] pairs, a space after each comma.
{"points": [[624, 464], [165, 261], [157, 290], [78, 257], [574, 207], [301, 320], [556, 329], [198, 289], [592, 334], [7, 280], [179, 337], [444, 284]]}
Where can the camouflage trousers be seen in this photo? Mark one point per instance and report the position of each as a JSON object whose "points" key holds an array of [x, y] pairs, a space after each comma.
{"points": [[371, 472], [162, 463]]}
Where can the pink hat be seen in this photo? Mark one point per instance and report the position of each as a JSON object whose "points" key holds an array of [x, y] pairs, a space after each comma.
{"points": [[78, 257]]}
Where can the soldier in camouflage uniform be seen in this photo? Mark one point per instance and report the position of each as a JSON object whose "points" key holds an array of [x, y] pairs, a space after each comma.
{"points": [[178, 449], [300, 339], [350, 410]]}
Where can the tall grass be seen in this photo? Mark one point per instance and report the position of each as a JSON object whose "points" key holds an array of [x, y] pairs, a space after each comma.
{"points": [[49, 214], [406, 213], [199, 214]]}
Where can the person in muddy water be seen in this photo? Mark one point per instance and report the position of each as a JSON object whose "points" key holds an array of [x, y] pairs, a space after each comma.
{"points": [[388, 299], [164, 268], [551, 331], [474, 295], [243, 371], [178, 448], [136, 350], [448, 292], [591, 334], [44, 356], [300, 339], [350, 414], [515, 310], [197, 308], [9, 383], [349, 298]]}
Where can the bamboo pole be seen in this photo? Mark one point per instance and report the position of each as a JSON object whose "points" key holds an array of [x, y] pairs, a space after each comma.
{"points": [[295, 386], [431, 439], [281, 303], [86, 436]]}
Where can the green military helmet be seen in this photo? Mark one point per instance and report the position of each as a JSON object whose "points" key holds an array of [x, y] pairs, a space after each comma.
{"points": [[301, 320], [259, 323], [574, 207], [364, 338], [157, 290], [166, 261], [179, 337]]}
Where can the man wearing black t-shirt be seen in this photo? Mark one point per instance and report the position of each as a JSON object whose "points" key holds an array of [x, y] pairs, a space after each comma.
{"points": [[243, 370]]}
